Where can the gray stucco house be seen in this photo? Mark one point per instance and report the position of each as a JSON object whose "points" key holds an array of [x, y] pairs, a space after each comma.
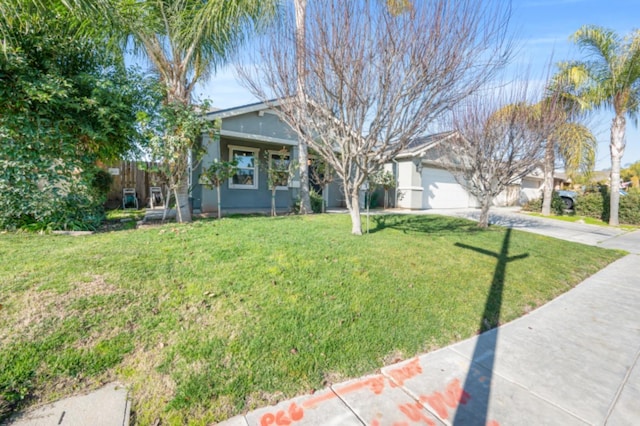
{"points": [[247, 134], [424, 182]]}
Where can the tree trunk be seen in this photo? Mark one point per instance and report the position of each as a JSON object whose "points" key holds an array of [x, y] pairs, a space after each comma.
{"points": [[300, 7], [303, 171], [183, 212], [219, 203], [353, 204], [617, 150], [547, 189], [485, 204], [273, 200], [167, 203], [178, 94]]}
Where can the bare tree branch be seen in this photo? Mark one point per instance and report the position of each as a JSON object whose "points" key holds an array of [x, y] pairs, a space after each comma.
{"points": [[501, 138], [373, 78]]}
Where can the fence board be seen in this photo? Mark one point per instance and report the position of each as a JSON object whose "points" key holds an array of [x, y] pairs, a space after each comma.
{"points": [[131, 176]]}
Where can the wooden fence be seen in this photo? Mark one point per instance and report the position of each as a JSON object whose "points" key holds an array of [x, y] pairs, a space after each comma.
{"points": [[130, 174]]}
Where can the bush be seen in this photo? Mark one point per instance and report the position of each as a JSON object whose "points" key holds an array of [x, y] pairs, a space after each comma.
{"points": [[316, 201], [593, 204], [630, 209], [101, 183], [596, 205], [557, 206], [534, 205]]}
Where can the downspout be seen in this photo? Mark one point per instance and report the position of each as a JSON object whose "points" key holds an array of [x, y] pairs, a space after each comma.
{"points": [[395, 177]]}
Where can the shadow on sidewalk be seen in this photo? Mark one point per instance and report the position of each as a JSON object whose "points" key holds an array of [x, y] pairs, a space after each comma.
{"points": [[478, 381]]}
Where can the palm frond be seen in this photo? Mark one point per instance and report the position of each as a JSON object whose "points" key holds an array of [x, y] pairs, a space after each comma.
{"points": [[598, 41], [577, 148]]}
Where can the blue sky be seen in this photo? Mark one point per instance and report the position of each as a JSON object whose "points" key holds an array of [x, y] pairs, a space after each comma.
{"points": [[541, 29]]}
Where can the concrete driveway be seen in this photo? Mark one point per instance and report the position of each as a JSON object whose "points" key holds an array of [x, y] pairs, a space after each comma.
{"points": [[511, 217]]}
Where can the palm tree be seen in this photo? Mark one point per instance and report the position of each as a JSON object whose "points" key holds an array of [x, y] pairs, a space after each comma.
{"points": [[184, 40], [576, 146], [300, 10], [608, 78]]}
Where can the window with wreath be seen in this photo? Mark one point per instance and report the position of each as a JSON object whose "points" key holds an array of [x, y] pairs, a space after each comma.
{"points": [[247, 174]]}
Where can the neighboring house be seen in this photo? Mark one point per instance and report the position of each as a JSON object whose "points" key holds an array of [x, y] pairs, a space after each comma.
{"points": [[247, 134], [423, 181]]}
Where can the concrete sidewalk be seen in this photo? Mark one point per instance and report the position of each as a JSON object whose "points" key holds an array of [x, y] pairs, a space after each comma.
{"points": [[574, 361], [107, 406]]}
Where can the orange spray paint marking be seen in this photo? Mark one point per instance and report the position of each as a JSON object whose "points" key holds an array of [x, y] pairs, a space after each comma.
{"points": [[415, 413], [281, 418], [453, 396], [376, 384], [312, 402], [267, 419], [406, 372], [296, 413]]}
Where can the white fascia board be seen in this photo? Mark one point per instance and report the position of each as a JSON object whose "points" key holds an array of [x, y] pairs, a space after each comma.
{"points": [[422, 150], [232, 112], [257, 138]]}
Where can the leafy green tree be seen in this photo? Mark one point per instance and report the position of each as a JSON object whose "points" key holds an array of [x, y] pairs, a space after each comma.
{"points": [[632, 174], [576, 146], [280, 170], [184, 40], [609, 78], [218, 173], [174, 144], [322, 175], [387, 181], [64, 106]]}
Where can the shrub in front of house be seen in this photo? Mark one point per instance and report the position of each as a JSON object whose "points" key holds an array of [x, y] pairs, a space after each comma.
{"points": [[596, 205], [593, 204], [316, 201], [557, 206], [630, 208]]}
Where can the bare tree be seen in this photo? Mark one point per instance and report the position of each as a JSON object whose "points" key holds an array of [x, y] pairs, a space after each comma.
{"points": [[501, 137], [375, 77]]}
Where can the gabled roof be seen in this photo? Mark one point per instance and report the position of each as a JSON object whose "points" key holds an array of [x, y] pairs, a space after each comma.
{"points": [[420, 145], [243, 109]]}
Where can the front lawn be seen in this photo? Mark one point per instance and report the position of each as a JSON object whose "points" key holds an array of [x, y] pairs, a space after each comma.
{"points": [[214, 318]]}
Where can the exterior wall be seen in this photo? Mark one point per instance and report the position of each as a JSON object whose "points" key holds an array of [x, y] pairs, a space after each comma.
{"points": [[410, 190], [267, 125], [241, 200], [334, 195], [509, 197], [530, 189]]}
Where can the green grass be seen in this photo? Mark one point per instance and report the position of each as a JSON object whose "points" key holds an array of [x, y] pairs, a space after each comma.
{"points": [[214, 318], [582, 219], [119, 214]]}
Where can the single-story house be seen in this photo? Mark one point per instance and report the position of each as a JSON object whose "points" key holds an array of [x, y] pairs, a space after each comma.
{"points": [[248, 134], [424, 182]]}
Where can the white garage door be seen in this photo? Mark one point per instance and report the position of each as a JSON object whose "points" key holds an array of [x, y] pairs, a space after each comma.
{"points": [[441, 191]]}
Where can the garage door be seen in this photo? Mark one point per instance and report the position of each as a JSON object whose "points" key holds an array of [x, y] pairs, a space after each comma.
{"points": [[441, 191]]}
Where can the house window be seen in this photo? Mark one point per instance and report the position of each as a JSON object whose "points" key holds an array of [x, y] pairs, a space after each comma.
{"points": [[280, 162], [247, 175]]}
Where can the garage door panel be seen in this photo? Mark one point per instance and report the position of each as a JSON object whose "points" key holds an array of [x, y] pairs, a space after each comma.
{"points": [[442, 191]]}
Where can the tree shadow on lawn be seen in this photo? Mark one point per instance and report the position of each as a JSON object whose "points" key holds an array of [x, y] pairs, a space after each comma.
{"points": [[427, 224]]}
